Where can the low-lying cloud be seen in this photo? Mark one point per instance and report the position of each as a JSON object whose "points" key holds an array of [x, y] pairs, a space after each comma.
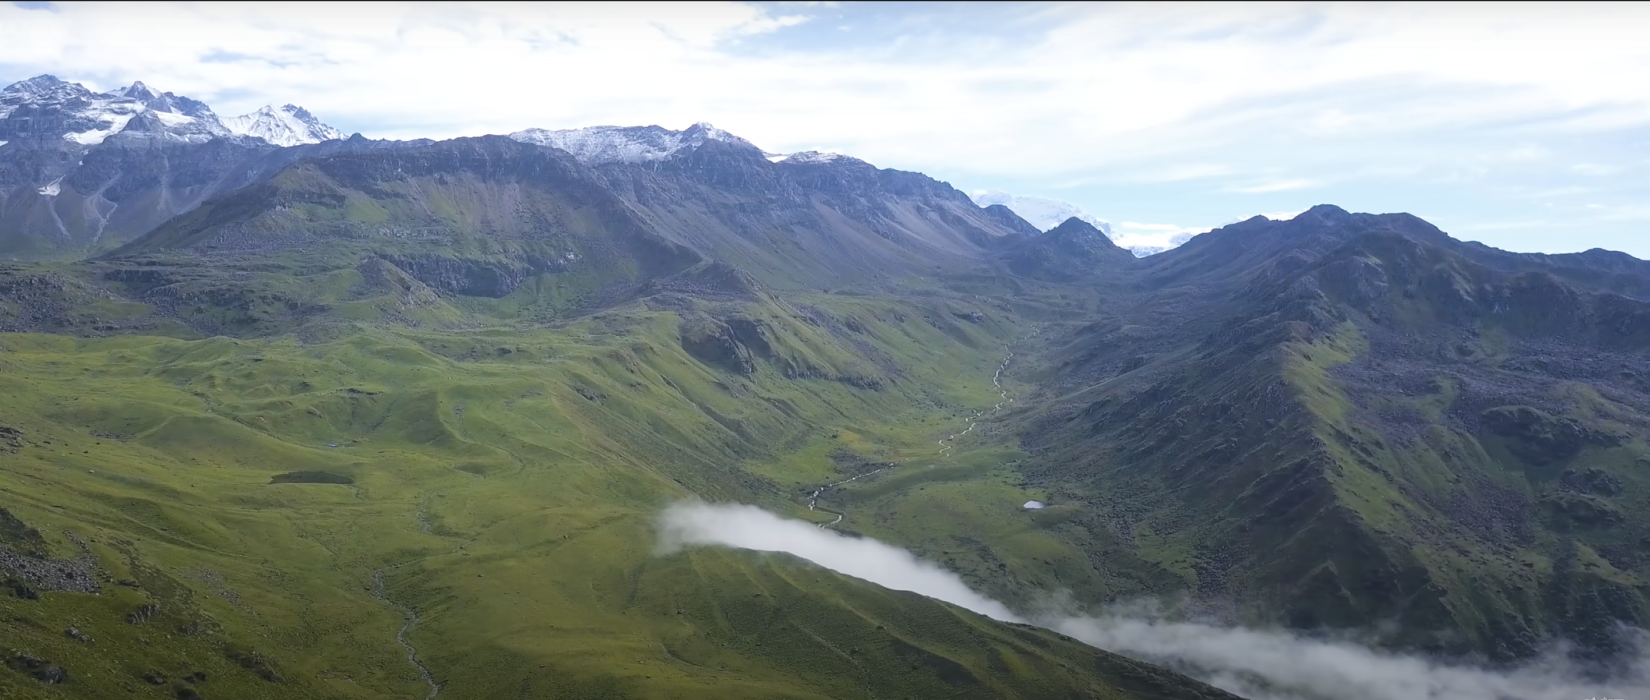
{"points": [[749, 527], [1254, 663]]}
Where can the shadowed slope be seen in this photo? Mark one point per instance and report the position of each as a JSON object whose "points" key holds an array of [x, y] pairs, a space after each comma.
{"points": [[1347, 420]]}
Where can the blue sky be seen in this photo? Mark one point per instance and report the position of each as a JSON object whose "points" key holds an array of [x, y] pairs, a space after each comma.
{"points": [[1523, 126]]}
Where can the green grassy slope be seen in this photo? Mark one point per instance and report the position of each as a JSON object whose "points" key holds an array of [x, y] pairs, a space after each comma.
{"points": [[282, 502]]}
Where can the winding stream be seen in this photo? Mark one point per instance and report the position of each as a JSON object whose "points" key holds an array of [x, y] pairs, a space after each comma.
{"points": [[401, 635], [945, 449]]}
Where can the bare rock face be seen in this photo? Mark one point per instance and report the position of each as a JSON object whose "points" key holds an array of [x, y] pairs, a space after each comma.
{"points": [[1538, 437], [718, 344], [27, 570], [39, 669], [142, 614]]}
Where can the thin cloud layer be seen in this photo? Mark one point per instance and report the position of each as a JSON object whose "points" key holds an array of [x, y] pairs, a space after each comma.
{"points": [[1258, 664]]}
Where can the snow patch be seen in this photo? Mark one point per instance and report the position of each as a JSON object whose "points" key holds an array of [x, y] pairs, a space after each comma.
{"points": [[51, 190], [115, 123], [173, 119], [626, 144], [813, 157], [1034, 505]]}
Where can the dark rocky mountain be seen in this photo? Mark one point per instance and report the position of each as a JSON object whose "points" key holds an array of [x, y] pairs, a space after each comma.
{"points": [[813, 222], [518, 210], [1352, 421], [1074, 251], [1011, 220]]}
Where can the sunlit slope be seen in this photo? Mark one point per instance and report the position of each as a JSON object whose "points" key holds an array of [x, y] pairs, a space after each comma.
{"points": [[505, 483]]}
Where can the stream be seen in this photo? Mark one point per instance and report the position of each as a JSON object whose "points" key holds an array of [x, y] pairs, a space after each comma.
{"points": [[945, 449], [411, 618]]}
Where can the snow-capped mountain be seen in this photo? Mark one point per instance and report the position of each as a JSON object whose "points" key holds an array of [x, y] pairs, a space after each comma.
{"points": [[167, 102], [626, 144], [1042, 212], [46, 110], [288, 125]]}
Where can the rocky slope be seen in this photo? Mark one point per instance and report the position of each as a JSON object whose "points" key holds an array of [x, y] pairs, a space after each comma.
{"points": [[82, 172], [518, 210], [1350, 421]]}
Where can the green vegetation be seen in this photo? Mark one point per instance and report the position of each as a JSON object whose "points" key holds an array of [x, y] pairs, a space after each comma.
{"points": [[280, 498]]}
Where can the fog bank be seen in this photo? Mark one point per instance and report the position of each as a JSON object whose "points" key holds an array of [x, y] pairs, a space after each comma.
{"points": [[749, 527], [1257, 664]]}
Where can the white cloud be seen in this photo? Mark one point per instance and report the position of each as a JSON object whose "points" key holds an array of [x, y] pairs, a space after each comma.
{"points": [[749, 527], [1256, 663], [1139, 236], [569, 65], [1275, 186]]}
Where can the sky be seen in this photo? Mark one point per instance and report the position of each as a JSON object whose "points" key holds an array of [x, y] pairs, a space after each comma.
{"points": [[1524, 126]]}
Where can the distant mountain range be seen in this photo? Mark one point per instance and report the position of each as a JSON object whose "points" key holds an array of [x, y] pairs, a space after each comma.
{"points": [[57, 208]]}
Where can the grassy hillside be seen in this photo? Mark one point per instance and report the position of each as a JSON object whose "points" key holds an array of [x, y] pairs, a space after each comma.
{"points": [[265, 514]]}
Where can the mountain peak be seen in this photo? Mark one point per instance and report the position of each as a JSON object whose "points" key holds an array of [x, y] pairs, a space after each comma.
{"points": [[1328, 213], [138, 90], [166, 102], [1042, 212], [1077, 227], [44, 87], [288, 125], [42, 81]]}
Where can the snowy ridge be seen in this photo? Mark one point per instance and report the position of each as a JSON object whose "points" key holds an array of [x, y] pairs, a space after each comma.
{"points": [[288, 125], [811, 157], [89, 118], [626, 144]]}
